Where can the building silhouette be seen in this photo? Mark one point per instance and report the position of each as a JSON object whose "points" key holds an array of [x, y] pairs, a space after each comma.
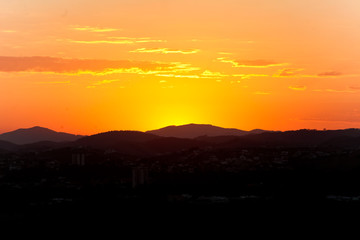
{"points": [[78, 159], [140, 176]]}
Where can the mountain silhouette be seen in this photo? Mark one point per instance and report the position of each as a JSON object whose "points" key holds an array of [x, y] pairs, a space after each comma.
{"points": [[126, 142], [300, 138], [198, 130], [171, 144], [137, 143], [115, 137], [177, 138], [43, 146], [8, 146], [37, 134]]}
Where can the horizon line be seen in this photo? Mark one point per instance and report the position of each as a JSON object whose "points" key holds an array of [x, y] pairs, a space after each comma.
{"points": [[174, 125]]}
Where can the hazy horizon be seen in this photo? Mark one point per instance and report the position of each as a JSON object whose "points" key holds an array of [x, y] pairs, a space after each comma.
{"points": [[171, 126]]}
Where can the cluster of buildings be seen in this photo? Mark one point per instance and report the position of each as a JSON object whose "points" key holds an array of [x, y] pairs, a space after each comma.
{"points": [[137, 171]]}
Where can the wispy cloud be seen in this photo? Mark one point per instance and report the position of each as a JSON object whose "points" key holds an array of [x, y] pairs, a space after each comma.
{"points": [[208, 73], [225, 53], [247, 76], [205, 74], [89, 66], [288, 72], [336, 90], [165, 50], [355, 87], [179, 76], [330, 74], [139, 39], [103, 82], [54, 82], [211, 75], [261, 93], [195, 40], [182, 67], [259, 63], [297, 72], [115, 40], [8, 31], [94, 29], [297, 88], [102, 41]]}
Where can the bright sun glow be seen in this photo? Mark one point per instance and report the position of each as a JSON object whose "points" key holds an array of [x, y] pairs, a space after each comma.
{"points": [[176, 116]]}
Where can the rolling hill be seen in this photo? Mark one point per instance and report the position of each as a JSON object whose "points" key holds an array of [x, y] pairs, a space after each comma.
{"points": [[198, 130], [137, 143], [8, 146], [37, 134]]}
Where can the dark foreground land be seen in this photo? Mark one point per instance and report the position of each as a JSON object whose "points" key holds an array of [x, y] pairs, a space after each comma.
{"points": [[131, 180], [92, 188]]}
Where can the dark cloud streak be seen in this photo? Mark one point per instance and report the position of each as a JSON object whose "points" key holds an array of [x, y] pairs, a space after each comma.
{"points": [[65, 65], [330, 74]]}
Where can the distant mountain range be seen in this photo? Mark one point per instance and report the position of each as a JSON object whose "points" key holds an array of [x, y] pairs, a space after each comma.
{"points": [[37, 134], [146, 144], [40, 134], [177, 138], [8, 146], [198, 130], [136, 143], [347, 138]]}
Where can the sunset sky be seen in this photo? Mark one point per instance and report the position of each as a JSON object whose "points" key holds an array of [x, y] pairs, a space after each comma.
{"points": [[84, 66]]}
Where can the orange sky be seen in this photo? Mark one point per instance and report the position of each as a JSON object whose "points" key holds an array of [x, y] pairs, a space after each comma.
{"points": [[85, 66]]}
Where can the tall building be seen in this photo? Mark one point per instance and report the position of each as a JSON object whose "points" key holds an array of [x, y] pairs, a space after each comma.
{"points": [[140, 176], [78, 159]]}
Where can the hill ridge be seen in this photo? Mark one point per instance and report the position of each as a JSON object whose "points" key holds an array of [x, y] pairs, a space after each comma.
{"points": [[193, 130], [37, 134]]}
